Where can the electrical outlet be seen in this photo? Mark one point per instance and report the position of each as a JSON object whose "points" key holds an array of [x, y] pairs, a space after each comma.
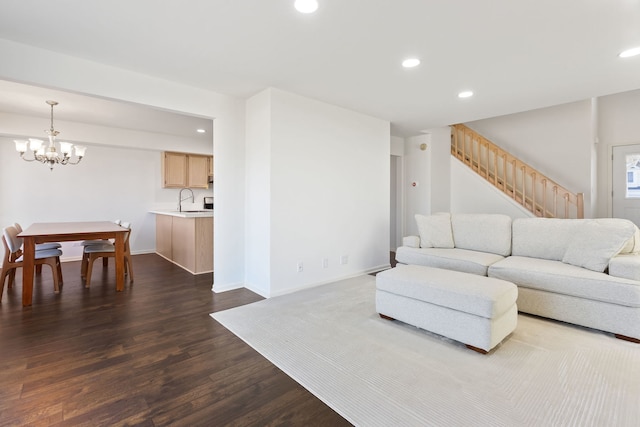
{"points": [[300, 267], [344, 259], [325, 263]]}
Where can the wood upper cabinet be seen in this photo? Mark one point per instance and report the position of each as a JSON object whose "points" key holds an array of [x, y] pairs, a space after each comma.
{"points": [[174, 170], [211, 167], [180, 170]]}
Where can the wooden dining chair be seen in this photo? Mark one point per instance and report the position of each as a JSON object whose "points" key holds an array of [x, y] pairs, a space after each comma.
{"points": [[42, 247], [13, 259], [105, 261], [106, 250], [101, 241]]}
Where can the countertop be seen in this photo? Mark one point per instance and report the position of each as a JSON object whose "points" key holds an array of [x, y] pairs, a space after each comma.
{"points": [[208, 213]]}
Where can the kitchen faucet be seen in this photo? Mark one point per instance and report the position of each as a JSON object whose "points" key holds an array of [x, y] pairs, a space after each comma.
{"points": [[180, 199]]}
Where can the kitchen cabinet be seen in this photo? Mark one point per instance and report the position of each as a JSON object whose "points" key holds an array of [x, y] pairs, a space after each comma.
{"points": [[180, 170], [163, 235], [186, 241], [211, 168]]}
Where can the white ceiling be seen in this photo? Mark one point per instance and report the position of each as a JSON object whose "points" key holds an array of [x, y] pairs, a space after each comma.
{"points": [[515, 55], [16, 98]]}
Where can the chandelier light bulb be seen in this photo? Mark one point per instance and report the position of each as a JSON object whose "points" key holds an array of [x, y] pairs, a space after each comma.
{"points": [[79, 149], [35, 143], [21, 145], [65, 148]]}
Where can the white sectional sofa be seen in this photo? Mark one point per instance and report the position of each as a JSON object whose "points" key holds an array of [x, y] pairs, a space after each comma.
{"points": [[585, 272]]}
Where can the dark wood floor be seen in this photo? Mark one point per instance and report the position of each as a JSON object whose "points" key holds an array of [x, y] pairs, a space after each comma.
{"points": [[149, 356]]}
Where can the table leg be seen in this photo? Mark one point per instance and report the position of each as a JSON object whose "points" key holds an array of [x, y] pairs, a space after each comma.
{"points": [[28, 263], [119, 262]]}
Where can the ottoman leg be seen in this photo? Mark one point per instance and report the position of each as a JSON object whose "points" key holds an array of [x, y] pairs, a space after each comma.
{"points": [[479, 350], [384, 316]]}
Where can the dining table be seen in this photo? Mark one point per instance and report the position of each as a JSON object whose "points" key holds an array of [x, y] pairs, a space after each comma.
{"points": [[43, 232]]}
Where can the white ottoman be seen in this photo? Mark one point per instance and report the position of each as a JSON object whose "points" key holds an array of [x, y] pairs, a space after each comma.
{"points": [[476, 310]]}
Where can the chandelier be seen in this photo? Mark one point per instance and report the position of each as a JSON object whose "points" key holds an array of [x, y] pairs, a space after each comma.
{"points": [[49, 154]]}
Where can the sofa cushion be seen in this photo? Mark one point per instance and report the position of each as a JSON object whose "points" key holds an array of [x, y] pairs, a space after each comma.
{"points": [[633, 244], [452, 259], [597, 241], [558, 277], [546, 238], [481, 296], [435, 230], [626, 266], [482, 232]]}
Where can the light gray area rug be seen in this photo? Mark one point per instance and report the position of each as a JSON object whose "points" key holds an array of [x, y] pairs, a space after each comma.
{"points": [[375, 372]]}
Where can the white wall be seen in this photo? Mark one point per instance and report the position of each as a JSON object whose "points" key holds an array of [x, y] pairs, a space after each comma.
{"points": [[397, 189], [101, 187], [440, 147], [417, 165], [470, 193], [121, 181], [258, 192], [618, 124], [40, 67], [329, 189], [556, 140]]}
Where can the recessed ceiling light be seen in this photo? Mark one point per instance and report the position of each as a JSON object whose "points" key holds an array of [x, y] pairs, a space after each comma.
{"points": [[306, 6], [201, 131], [465, 94], [630, 52], [410, 62]]}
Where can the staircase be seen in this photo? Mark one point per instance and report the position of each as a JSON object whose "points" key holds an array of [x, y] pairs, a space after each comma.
{"points": [[524, 184]]}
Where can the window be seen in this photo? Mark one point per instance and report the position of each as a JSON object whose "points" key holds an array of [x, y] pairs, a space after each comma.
{"points": [[633, 175]]}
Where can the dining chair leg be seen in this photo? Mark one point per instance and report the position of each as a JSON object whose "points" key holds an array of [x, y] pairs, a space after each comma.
{"points": [[39, 269], [12, 278], [3, 277], [87, 277], [105, 261], [51, 262], [83, 265], [129, 268], [59, 268]]}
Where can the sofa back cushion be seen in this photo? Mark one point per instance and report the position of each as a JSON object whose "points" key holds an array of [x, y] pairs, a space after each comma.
{"points": [[435, 230], [597, 241], [551, 238], [546, 238], [482, 232], [633, 244]]}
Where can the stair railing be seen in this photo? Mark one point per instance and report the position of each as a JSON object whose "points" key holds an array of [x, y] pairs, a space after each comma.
{"points": [[527, 186]]}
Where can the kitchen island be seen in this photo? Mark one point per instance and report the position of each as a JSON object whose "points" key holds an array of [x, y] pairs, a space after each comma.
{"points": [[186, 238]]}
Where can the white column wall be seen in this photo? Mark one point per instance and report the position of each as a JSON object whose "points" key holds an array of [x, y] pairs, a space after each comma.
{"points": [[439, 146], [417, 171], [258, 191], [398, 192], [40, 67], [329, 192]]}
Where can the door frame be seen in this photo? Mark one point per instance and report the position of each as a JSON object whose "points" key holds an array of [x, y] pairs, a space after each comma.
{"points": [[610, 175]]}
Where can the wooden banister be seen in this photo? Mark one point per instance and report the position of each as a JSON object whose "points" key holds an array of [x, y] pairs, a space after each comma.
{"points": [[527, 186]]}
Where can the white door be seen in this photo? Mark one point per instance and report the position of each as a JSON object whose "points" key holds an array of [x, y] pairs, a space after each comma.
{"points": [[626, 182]]}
